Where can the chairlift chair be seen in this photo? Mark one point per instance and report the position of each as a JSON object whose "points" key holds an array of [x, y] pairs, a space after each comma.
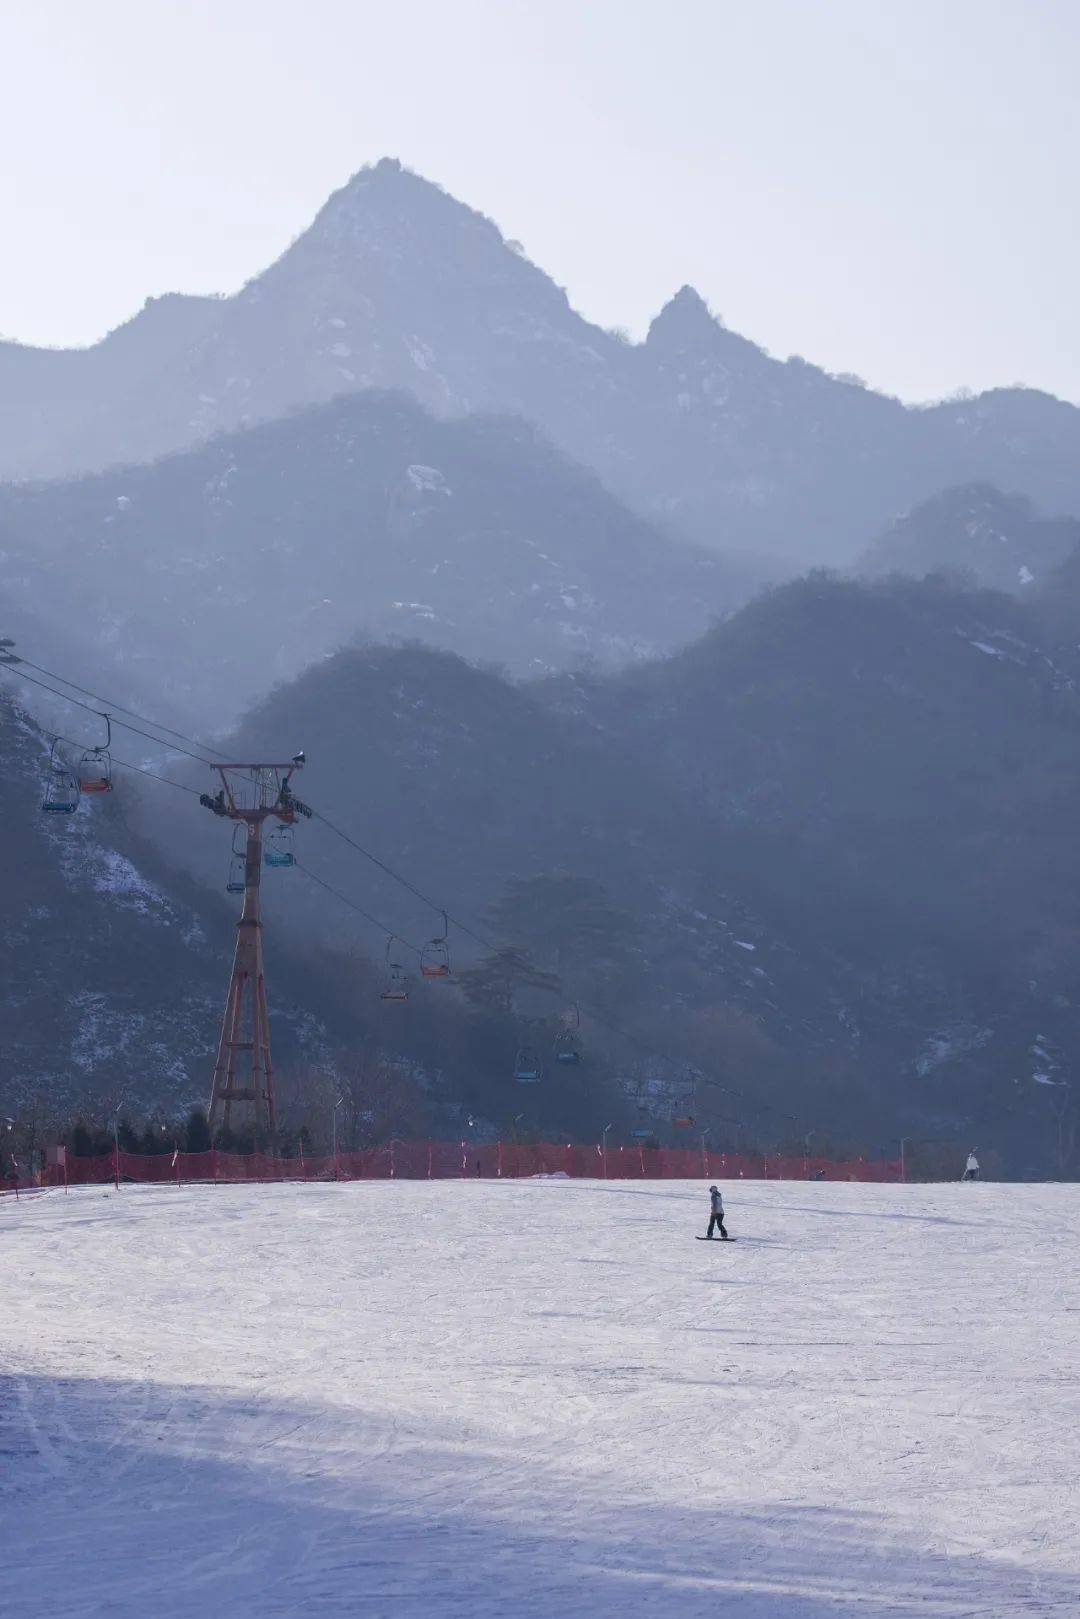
{"points": [[527, 1070], [395, 985], [567, 1047], [435, 956], [279, 848], [61, 796], [238, 862], [567, 1050], [94, 769]]}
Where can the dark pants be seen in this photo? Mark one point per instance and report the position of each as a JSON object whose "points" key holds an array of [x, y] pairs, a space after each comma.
{"points": [[716, 1220]]}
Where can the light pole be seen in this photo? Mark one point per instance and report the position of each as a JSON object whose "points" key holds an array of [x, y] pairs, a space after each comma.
{"points": [[15, 1176], [116, 1140], [333, 1133], [603, 1137], [806, 1153]]}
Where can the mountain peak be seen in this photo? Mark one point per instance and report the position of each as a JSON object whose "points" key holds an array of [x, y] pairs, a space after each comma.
{"points": [[388, 210], [387, 173], [684, 320]]}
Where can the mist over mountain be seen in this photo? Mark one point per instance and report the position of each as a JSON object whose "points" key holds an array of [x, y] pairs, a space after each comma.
{"points": [[210, 575], [397, 285]]}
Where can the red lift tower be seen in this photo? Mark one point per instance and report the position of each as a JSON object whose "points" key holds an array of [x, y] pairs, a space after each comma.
{"points": [[251, 794]]}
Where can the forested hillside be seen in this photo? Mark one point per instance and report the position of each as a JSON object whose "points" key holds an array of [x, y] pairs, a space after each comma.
{"points": [[992, 539], [825, 855]]}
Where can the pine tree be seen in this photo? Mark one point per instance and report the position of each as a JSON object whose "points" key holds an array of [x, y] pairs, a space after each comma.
{"points": [[491, 984], [127, 1136], [80, 1140], [197, 1132]]}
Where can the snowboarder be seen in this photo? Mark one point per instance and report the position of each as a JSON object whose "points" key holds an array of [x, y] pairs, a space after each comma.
{"points": [[716, 1215], [971, 1173]]}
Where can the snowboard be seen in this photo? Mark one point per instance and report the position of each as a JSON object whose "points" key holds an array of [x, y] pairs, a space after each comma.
{"points": [[716, 1239]]}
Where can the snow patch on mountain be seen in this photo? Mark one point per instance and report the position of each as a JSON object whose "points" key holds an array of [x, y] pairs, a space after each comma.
{"points": [[427, 480]]}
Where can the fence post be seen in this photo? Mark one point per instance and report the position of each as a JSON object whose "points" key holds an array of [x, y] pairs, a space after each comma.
{"points": [[429, 1159], [393, 1160], [499, 1160]]}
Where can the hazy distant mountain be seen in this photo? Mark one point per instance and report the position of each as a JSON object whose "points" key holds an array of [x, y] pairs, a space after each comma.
{"points": [[208, 576], [997, 540], [397, 285], [71, 410]]}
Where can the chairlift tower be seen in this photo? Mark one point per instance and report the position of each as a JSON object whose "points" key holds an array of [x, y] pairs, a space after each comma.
{"points": [[250, 794]]}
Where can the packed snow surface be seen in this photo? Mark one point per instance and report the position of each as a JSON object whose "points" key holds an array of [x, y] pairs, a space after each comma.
{"points": [[540, 1399]]}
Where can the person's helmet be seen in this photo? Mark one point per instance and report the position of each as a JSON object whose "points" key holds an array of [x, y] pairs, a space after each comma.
{"points": [[713, 1188]]}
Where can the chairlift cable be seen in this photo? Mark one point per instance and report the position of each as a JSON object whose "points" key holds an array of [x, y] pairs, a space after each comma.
{"points": [[113, 708], [374, 920], [174, 747], [166, 781], [425, 899]]}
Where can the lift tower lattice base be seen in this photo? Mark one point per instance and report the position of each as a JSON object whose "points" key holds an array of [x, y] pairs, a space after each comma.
{"points": [[243, 1072]]}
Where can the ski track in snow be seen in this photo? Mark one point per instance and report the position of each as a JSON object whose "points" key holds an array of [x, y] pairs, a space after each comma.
{"points": [[540, 1399]]}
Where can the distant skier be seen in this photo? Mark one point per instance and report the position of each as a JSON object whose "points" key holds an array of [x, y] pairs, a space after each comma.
{"points": [[716, 1216], [971, 1173]]}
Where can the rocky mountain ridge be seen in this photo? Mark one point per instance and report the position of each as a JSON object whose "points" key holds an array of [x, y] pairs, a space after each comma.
{"points": [[397, 285]]}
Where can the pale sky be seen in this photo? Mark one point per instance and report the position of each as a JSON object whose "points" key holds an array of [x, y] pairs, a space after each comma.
{"points": [[884, 186]]}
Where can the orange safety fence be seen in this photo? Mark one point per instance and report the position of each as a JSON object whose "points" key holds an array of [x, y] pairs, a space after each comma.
{"points": [[13, 1185], [445, 1160]]}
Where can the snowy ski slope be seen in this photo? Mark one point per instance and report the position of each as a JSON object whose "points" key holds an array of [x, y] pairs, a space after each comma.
{"points": [[540, 1399]]}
